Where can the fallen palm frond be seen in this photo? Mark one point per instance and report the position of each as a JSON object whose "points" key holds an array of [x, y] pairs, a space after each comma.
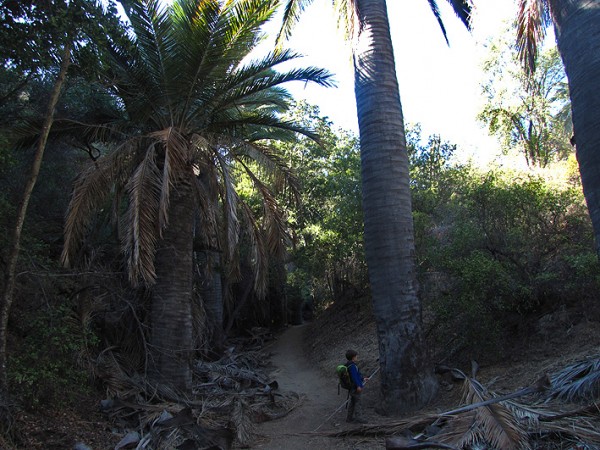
{"points": [[491, 421], [229, 398], [242, 422], [580, 381], [491, 424]]}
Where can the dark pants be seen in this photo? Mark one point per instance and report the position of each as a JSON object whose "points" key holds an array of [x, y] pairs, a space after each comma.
{"points": [[354, 405]]}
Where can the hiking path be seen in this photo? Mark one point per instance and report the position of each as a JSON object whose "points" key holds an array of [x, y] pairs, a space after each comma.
{"points": [[320, 409]]}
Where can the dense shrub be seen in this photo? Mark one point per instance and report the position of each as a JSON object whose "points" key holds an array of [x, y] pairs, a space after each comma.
{"points": [[505, 248], [48, 366]]}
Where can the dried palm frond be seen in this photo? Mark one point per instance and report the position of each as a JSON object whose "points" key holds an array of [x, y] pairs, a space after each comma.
{"points": [[230, 203], [258, 251], [528, 416], [491, 424], [347, 18], [244, 428], [232, 371], [532, 20], [580, 431], [92, 188], [544, 423], [579, 381], [140, 221], [117, 383], [175, 160], [272, 407]]}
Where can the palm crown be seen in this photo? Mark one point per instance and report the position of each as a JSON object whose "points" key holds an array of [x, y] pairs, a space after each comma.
{"points": [[191, 105]]}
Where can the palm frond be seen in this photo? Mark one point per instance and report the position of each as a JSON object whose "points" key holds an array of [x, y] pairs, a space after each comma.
{"points": [[222, 36], [291, 16], [198, 50], [92, 188], [175, 161], [284, 178], [438, 16], [258, 251], [142, 98], [144, 72], [463, 9], [99, 126], [347, 17], [230, 202], [274, 225], [532, 20], [581, 432], [205, 190], [242, 423], [258, 126], [492, 424], [141, 221], [255, 82], [244, 20], [259, 76], [579, 381]]}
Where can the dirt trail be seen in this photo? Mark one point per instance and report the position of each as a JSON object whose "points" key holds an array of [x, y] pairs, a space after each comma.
{"points": [[295, 372]]}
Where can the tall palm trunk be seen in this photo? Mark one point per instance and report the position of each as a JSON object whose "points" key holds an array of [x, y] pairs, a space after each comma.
{"points": [[577, 26], [172, 294], [13, 255], [407, 384]]}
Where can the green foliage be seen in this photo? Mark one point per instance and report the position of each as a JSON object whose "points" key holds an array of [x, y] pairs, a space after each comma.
{"points": [[48, 365], [503, 248], [32, 34], [530, 113], [328, 253], [431, 171]]}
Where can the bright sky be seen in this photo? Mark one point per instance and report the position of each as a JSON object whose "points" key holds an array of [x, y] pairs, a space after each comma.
{"points": [[439, 84]]}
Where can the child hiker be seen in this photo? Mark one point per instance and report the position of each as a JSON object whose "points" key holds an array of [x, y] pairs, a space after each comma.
{"points": [[358, 383]]}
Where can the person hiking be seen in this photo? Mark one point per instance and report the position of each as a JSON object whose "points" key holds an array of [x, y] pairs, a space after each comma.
{"points": [[358, 384]]}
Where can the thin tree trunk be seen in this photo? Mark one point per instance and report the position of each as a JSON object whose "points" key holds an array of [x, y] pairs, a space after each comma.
{"points": [[171, 340], [13, 255], [577, 26], [407, 382]]}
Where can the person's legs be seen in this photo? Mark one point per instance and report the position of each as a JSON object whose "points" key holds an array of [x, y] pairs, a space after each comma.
{"points": [[354, 408], [351, 406]]}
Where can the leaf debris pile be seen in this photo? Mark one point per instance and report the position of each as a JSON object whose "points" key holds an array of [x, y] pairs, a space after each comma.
{"points": [[229, 397]]}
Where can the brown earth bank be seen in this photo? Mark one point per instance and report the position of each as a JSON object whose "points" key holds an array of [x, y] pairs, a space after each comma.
{"points": [[302, 360]]}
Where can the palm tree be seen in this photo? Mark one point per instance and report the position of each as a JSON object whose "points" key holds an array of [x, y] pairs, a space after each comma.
{"points": [[577, 30], [407, 383], [193, 107]]}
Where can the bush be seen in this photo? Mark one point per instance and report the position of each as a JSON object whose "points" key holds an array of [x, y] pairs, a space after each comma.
{"points": [[508, 248], [47, 368]]}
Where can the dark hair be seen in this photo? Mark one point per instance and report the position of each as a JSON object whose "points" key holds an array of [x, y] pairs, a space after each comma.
{"points": [[350, 354]]}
